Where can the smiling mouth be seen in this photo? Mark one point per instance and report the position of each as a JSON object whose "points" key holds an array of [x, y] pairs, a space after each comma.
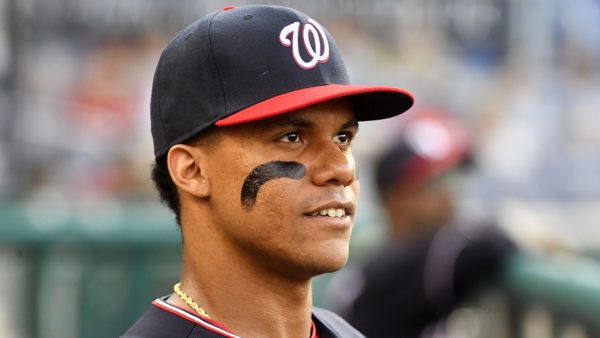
{"points": [[330, 212]]}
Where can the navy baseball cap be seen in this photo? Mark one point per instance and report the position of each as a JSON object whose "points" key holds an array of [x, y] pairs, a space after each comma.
{"points": [[244, 64]]}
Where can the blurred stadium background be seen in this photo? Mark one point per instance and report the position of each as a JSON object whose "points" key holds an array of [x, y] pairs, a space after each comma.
{"points": [[85, 245]]}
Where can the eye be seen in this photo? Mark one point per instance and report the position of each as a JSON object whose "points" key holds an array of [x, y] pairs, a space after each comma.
{"points": [[343, 138], [291, 137]]}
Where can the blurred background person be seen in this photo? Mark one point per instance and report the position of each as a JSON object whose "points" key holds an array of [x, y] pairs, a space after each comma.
{"points": [[432, 262]]}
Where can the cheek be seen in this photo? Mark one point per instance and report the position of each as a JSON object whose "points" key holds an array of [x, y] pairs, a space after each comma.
{"points": [[226, 182], [278, 200], [271, 225], [278, 209], [262, 174]]}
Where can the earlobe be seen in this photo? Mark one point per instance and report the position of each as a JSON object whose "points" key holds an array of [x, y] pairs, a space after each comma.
{"points": [[187, 170]]}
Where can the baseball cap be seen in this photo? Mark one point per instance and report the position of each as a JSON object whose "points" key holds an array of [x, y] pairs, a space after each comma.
{"points": [[431, 143], [248, 63]]}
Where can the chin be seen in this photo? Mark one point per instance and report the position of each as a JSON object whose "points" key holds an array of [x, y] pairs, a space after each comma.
{"points": [[330, 261], [322, 269], [334, 267]]}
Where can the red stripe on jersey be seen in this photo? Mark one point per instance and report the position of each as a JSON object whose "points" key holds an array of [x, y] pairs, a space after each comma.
{"points": [[205, 323], [314, 334]]}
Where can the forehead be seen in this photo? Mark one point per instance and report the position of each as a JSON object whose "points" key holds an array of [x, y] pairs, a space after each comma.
{"points": [[334, 114]]}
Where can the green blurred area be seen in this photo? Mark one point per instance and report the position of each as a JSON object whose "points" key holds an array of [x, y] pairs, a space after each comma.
{"points": [[80, 282], [86, 283]]}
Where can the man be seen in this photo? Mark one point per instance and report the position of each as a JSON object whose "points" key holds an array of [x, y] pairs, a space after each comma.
{"points": [[432, 264], [252, 121]]}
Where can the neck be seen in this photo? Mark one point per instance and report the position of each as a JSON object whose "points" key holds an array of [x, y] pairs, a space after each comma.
{"points": [[244, 297]]}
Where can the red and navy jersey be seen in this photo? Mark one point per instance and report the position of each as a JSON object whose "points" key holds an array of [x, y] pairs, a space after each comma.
{"points": [[165, 320]]}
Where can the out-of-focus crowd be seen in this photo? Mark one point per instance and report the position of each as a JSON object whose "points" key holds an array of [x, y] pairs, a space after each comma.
{"points": [[76, 78]]}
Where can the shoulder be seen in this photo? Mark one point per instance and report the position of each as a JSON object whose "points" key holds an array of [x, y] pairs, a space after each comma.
{"points": [[162, 320], [157, 323], [330, 324]]}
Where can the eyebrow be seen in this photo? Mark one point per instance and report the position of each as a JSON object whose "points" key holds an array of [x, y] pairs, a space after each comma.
{"points": [[351, 123], [287, 121], [297, 122]]}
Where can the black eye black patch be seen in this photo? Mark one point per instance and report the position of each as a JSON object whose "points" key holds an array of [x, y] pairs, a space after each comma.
{"points": [[266, 172]]}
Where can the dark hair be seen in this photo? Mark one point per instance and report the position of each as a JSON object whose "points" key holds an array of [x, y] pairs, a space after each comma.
{"points": [[163, 182], [167, 189]]}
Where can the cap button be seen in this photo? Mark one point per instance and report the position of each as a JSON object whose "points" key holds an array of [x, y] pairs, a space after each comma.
{"points": [[226, 8]]}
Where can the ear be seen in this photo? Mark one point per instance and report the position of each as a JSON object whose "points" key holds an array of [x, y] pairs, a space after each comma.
{"points": [[187, 167]]}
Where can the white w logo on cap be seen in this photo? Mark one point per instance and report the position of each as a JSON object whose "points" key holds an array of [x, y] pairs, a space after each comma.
{"points": [[318, 53]]}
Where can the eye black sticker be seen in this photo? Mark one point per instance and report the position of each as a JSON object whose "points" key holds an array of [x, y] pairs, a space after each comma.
{"points": [[266, 172]]}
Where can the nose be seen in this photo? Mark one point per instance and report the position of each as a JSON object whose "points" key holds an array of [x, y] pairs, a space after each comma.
{"points": [[333, 166]]}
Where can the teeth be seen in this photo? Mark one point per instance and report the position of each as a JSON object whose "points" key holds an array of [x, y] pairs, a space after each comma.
{"points": [[331, 212]]}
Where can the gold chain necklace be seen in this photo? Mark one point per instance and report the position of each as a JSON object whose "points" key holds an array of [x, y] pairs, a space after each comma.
{"points": [[189, 301]]}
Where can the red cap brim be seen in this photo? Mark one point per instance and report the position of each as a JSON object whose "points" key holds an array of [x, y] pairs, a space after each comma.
{"points": [[381, 102]]}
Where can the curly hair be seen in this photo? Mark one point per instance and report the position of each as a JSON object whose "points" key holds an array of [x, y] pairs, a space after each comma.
{"points": [[167, 189]]}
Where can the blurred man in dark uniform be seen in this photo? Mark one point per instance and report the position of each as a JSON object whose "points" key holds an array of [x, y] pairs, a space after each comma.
{"points": [[432, 264]]}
